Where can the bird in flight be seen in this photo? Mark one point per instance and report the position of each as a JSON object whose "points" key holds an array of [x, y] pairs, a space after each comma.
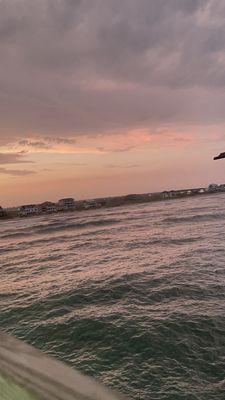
{"points": [[221, 155]]}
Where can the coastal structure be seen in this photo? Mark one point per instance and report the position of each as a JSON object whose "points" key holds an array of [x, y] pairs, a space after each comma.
{"points": [[213, 187], [69, 204], [48, 207], [26, 373], [87, 204], [66, 204], [29, 209], [170, 194]]}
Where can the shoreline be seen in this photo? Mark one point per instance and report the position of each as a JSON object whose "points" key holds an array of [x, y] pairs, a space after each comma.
{"points": [[118, 201]]}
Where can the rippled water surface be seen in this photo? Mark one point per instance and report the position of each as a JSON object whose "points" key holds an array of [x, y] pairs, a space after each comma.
{"points": [[134, 296]]}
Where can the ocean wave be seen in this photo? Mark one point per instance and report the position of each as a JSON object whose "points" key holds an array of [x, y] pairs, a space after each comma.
{"points": [[133, 298], [161, 241], [56, 227], [194, 218]]}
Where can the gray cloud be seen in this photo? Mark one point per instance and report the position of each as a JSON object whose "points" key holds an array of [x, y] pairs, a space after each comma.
{"points": [[81, 67], [15, 172], [62, 140], [40, 144], [12, 158], [45, 143]]}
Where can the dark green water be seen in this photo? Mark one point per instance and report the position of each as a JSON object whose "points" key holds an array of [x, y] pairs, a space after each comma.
{"points": [[132, 296]]}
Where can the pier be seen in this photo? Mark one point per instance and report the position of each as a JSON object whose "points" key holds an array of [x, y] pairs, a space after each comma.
{"points": [[28, 374]]}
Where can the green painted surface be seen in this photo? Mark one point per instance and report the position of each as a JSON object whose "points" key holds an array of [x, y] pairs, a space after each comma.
{"points": [[11, 391]]}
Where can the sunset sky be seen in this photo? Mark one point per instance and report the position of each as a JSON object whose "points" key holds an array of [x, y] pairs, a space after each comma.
{"points": [[109, 97]]}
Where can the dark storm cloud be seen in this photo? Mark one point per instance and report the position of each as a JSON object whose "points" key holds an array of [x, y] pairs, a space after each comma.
{"points": [[83, 67]]}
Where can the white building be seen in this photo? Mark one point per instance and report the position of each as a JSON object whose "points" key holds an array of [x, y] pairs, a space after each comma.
{"points": [[29, 209]]}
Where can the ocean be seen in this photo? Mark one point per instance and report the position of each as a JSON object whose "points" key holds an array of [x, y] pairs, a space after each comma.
{"points": [[133, 296]]}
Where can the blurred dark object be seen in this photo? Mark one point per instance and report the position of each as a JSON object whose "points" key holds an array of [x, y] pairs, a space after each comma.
{"points": [[221, 155]]}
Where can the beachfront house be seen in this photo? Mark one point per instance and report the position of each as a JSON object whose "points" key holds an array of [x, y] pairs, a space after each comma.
{"points": [[87, 204], [165, 194], [66, 204], [213, 187], [2, 212], [48, 207], [172, 193], [28, 209]]}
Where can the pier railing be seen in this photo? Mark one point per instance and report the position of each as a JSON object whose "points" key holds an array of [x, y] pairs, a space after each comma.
{"points": [[28, 374]]}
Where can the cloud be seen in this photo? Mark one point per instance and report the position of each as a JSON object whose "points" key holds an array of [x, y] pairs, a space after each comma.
{"points": [[120, 166], [40, 145], [12, 158], [123, 149], [108, 66], [62, 140], [46, 143], [79, 164], [120, 149], [15, 172]]}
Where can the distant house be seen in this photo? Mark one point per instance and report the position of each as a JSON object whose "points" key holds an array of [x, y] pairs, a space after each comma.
{"points": [[182, 192], [29, 209], [66, 204], [165, 194], [87, 204], [213, 187], [48, 207], [172, 193], [194, 191], [2, 212]]}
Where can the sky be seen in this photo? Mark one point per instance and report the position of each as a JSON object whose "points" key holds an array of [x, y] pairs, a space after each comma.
{"points": [[109, 97]]}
